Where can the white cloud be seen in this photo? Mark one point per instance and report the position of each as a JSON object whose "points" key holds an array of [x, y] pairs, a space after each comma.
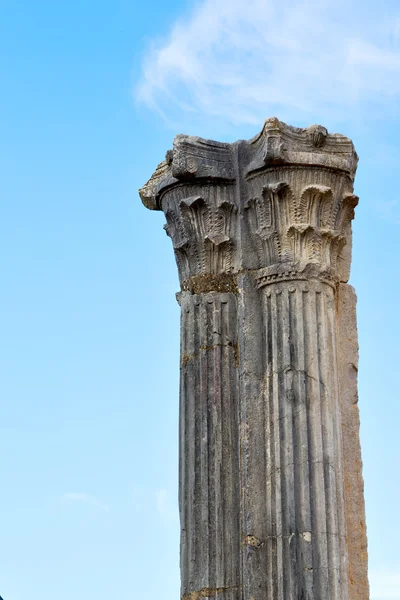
{"points": [[82, 497], [385, 584], [243, 60]]}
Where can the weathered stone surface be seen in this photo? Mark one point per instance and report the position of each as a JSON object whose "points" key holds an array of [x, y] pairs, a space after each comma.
{"points": [[209, 458], [352, 463], [271, 496], [293, 495]]}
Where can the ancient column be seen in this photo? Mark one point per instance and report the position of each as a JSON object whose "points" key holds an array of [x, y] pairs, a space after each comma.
{"points": [[271, 490]]}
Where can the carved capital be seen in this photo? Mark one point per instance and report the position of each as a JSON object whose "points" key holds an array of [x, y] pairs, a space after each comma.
{"points": [[303, 227], [282, 202], [203, 229]]}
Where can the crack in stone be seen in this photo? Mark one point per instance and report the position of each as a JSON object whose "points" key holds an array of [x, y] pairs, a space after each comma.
{"points": [[269, 374], [306, 535], [283, 468], [289, 369]]}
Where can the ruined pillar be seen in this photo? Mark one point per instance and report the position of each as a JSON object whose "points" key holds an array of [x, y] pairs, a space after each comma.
{"points": [[270, 483]]}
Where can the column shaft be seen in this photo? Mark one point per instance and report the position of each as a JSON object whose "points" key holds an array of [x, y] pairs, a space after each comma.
{"points": [[292, 474], [209, 455]]}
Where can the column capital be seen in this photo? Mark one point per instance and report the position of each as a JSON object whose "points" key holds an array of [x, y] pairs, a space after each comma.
{"points": [[281, 202]]}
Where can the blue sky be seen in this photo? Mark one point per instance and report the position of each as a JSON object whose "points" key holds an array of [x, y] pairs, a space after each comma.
{"points": [[92, 94]]}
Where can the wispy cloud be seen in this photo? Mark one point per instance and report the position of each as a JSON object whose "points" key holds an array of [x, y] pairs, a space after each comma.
{"points": [[82, 497], [385, 584], [242, 60]]}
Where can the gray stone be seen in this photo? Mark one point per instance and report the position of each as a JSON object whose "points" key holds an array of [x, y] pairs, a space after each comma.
{"points": [[271, 491]]}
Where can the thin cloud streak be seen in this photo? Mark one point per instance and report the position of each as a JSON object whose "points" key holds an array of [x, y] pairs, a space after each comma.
{"points": [[242, 60]]}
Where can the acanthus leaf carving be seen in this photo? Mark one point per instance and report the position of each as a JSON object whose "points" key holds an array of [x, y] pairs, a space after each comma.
{"points": [[202, 234], [283, 207], [346, 214], [315, 206], [308, 229], [191, 201], [266, 215], [174, 228], [217, 238]]}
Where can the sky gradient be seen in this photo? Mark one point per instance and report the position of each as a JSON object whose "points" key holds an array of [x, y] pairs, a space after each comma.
{"points": [[92, 95]]}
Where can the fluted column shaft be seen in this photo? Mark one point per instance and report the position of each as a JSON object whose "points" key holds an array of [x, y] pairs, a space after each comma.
{"points": [[209, 486], [292, 465]]}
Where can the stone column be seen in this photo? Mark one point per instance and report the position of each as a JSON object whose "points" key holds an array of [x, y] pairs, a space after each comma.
{"points": [[271, 490]]}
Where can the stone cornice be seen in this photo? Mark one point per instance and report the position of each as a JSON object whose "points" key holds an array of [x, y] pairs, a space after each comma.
{"points": [[277, 144], [281, 144]]}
